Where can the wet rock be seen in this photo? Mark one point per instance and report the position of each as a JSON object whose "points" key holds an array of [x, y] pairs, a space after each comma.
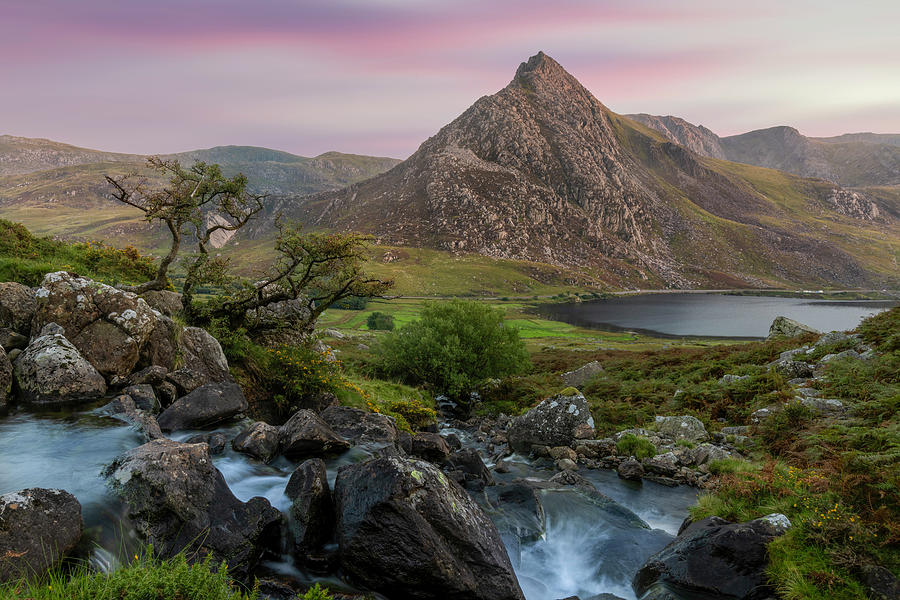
{"points": [[566, 464], [207, 405], [682, 428], [144, 397], [260, 440], [10, 340], [312, 509], [557, 421], [359, 426], [51, 371], [559, 452], [37, 528], [6, 378], [203, 354], [166, 302], [425, 445], [582, 375], [178, 500], [391, 509], [306, 434], [662, 464], [466, 467], [714, 557], [785, 327], [517, 510], [596, 448], [107, 325], [571, 478], [167, 393], [216, 441], [123, 407], [630, 469], [17, 307]]}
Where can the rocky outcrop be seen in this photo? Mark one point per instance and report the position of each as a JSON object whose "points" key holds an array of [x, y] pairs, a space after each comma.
{"points": [[405, 530], [630, 469], [178, 501], [312, 509], [207, 405], [785, 327], [306, 434], [260, 440], [17, 306], [37, 528], [359, 426], [108, 326], [557, 421], [51, 371], [284, 322], [713, 557]]}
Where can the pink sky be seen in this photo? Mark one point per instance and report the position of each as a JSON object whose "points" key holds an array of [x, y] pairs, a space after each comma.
{"points": [[380, 76]]}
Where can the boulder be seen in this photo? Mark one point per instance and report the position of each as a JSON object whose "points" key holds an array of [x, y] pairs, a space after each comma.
{"points": [[684, 427], [144, 397], [630, 469], [51, 371], [207, 405], [716, 558], [108, 326], [306, 434], [662, 464], [166, 302], [216, 441], [161, 347], [312, 507], [466, 468], [260, 440], [406, 531], [792, 369], [705, 453], [582, 375], [153, 375], [785, 327], [37, 527], [426, 445], [17, 307], [729, 379], [177, 500], [557, 421], [283, 322], [185, 380], [123, 407], [359, 426], [517, 510], [6, 378], [203, 354], [11, 340]]}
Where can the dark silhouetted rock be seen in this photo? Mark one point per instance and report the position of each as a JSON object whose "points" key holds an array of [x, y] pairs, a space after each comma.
{"points": [[359, 426], [207, 405], [312, 508], [260, 440], [306, 434], [425, 445]]}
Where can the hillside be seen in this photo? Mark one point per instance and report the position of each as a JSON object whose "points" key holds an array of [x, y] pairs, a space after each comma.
{"points": [[543, 171]]}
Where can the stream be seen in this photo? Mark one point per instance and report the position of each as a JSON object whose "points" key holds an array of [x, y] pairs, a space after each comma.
{"points": [[591, 543]]}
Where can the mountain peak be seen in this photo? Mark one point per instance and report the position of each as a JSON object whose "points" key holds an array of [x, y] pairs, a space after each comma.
{"points": [[541, 67]]}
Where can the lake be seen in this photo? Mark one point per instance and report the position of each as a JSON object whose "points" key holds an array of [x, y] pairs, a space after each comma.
{"points": [[711, 315]]}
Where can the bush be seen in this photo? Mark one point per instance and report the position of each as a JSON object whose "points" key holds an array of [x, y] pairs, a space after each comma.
{"points": [[297, 373], [638, 447], [381, 321], [316, 592], [452, 347]]}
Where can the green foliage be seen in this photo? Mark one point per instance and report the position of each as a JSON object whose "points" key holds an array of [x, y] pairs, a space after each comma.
{"points": [[636, 446], [380, 320], [26, 259], [882, 330], [352, 303], [297, 373], [146, 578], [780, 429], [453, 347], [316, 592]]}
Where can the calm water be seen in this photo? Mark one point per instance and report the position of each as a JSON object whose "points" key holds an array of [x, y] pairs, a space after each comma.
{"points": [[711, 315]]}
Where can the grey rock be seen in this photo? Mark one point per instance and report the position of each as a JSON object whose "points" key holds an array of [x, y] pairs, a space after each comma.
{"points": [[37, 528], [51, 371], [729, 379], [662, 464], [738, 430], [785, 327], [792, 369], [684, 427], [6, 378], [186, 380], [630, 469], [260, 440], [216, 441], [207, 405], [153, 375], [11, 340], [123, 407], [312, 508], [582, 375], [306, 434], [144, 397], [165, 301], [557, 421], [426, 445], [203, 354], [17, 307], [359, 426], [705, 453]]}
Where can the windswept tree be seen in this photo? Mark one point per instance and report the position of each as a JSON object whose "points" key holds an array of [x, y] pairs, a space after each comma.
{"points": [[317, 268]]}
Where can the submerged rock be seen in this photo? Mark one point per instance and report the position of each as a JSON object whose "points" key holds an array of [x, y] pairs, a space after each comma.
{"points": [[207, 405], [52, 371], [37, 527], [179, 501], [405, 530], [557, 421]]}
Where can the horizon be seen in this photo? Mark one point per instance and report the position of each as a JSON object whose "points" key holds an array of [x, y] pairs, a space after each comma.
{"points": [[379, 78]]}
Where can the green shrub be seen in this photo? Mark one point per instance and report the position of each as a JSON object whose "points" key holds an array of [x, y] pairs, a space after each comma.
{"points": [[636, 446], [380, 321], [316, 592], [297, 373], [452, 347], [784, 426]]}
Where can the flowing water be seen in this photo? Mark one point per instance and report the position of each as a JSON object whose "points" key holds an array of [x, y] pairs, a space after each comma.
{"points": [[591, 543], [711, 315]]}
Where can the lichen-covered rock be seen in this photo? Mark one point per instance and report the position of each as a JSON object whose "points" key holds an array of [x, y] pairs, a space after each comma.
{"points": [[662, 464], [186, 380], [715, 558], [785, 327], [684, 427], [359, 426], [792, 369], [51, 370], [108, 326], [260, 440], [729, 379], [6, 378], [557, 421], [203, 354], [306, 434], [312, 507], [17, 306], [161, 347], [177, 500], [37, 527], [207, 405], [582, 375], [705, 453], [283, 322], [166, 302], [406, 531]]}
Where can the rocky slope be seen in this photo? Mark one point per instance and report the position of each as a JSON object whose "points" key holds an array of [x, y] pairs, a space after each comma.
{"points": [[543, 171], [695, 138]]}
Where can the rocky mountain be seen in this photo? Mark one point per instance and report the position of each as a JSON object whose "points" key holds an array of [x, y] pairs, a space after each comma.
{"points": [[696, 138], [543, 171]]}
